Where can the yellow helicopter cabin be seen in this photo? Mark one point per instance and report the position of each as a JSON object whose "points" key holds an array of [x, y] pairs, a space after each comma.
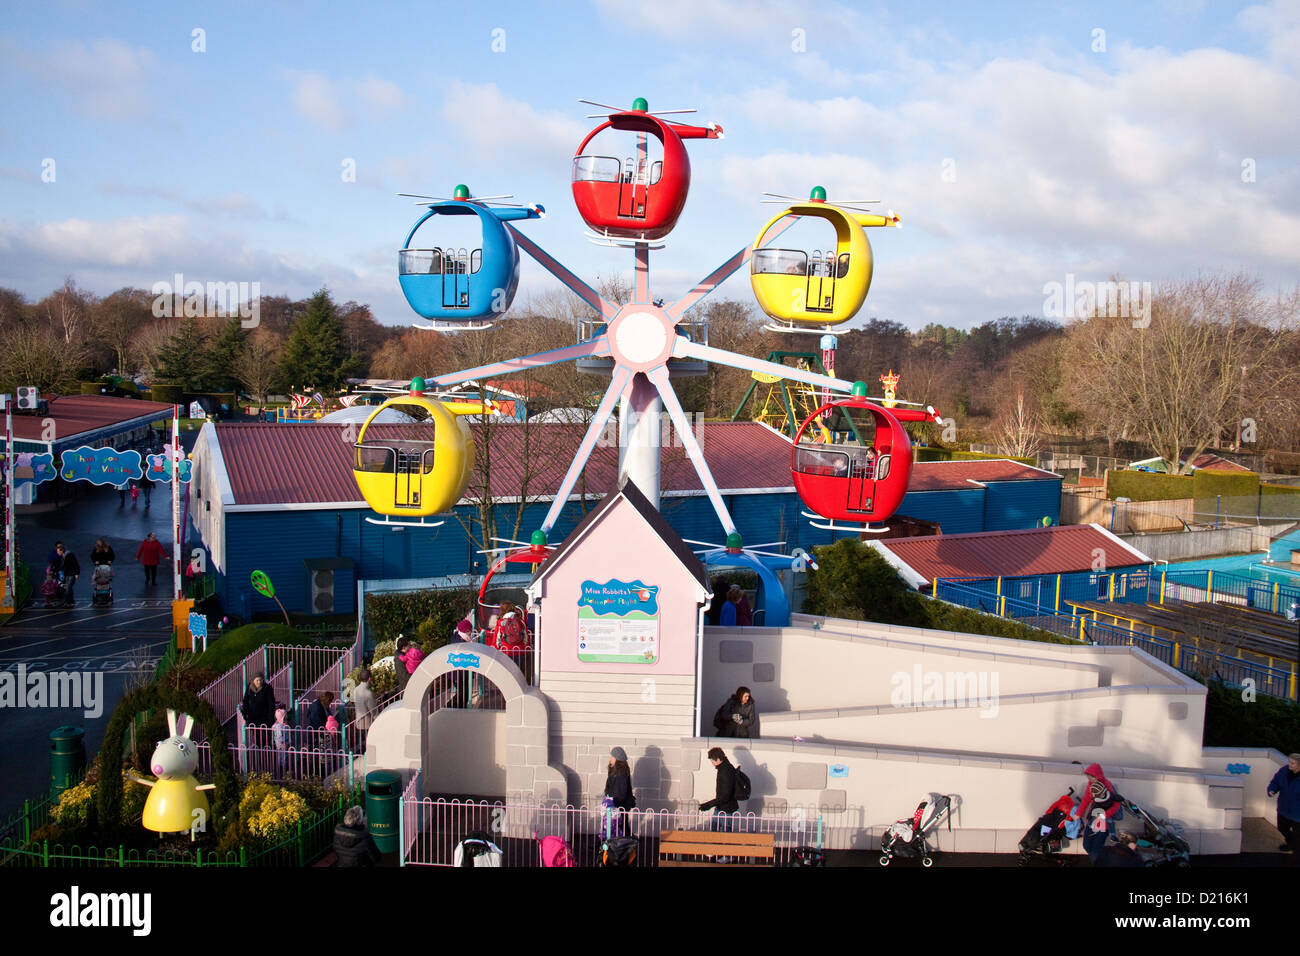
{"points": [[414, 455], [822, 288]]}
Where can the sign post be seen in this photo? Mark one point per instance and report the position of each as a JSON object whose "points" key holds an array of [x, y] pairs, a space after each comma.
{"points": [[10, 600], [177, 539]]}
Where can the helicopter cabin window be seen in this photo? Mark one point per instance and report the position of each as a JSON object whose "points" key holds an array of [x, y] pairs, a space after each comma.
{"points": [[374, 458], [792, 262], [656, 171], [476, 260], [843, 268], [816, 461], [596, 169]]}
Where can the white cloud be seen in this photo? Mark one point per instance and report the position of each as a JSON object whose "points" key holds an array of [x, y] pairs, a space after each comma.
{"points": [[316, 98], [381, 94], [508, 131], [102, 79]]}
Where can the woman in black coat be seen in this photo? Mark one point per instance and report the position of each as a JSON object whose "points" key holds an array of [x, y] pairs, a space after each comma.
{"points": [[738, 717], [102, 553]]}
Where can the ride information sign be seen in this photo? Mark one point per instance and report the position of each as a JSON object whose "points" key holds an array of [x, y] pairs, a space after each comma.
{"points": [[618, 622]]}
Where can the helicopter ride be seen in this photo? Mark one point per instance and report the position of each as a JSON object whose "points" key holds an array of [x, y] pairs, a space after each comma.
{"points": [[414, 455], [460, 288], [811, 292], [859, 482], [638, 197], [771, 606]]}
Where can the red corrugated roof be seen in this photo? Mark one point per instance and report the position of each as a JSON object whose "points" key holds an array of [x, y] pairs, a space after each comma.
{"points": [[1208, 461], [1009, 553], [312, 464], [74, 414], [945, 475]]}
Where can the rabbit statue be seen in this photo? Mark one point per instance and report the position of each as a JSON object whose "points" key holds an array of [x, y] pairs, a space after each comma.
{"points": [[175, 798]]}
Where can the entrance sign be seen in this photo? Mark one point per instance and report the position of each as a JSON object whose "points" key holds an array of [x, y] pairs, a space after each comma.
{"points": [[618, 622], [101, 466]]}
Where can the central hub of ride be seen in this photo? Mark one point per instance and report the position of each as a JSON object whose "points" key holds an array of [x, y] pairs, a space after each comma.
{"points": [[641, 336]]}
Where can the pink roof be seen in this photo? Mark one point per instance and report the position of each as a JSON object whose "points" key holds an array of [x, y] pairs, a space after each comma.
{"points": [[75, 414], [312, 464], [1008, 553]]}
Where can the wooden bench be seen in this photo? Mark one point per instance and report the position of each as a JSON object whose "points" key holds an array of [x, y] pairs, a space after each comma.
{"points": [[747, 849]]}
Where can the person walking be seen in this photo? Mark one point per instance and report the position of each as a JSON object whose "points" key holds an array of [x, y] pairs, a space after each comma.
{"points": [[724, 796], [102, 553], [150, 554], [146, 488], [363, 701], [258, 705], [1285, 785], [71, 569]]}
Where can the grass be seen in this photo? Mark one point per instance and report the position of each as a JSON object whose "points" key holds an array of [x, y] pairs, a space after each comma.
{"points": [[230, 649]]}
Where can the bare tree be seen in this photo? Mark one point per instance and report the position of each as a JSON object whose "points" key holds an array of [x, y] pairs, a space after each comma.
{"points": [[258, 365], [117, 319], [1016, 432], [1176, 381]]}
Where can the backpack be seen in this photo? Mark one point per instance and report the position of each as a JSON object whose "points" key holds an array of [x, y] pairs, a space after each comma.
{"points": [[620, 851], [743, 786], [512, 633], [807, 856]]}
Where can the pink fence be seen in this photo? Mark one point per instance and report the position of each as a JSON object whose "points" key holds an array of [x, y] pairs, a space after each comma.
{"points": [[293, 763], [281, 684], [225, 693], [310, 664], [433, 828]]}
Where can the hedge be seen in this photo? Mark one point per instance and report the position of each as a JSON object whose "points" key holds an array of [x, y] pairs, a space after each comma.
{"points": [[229, 649], [1211, 483], [402, 612], [933, 453], [1147, 485], [167, 394], [1260, 722]]}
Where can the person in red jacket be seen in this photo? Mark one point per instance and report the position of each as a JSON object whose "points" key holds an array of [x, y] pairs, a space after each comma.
{"points": [[150, 554], [1099, 810]]}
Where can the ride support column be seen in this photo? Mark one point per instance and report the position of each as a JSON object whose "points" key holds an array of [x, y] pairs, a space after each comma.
{"points": [[639, 417]]}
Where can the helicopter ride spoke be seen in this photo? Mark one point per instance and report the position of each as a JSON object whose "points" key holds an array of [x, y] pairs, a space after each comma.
{"points": [[685, 348], [720, 275], [596, 348], [659, 376], [553, 266], [619, 382]]}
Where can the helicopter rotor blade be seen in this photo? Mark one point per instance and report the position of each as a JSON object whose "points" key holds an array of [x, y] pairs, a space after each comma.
{"points": [[783, 196], [666, 112], [605, 106], [421, 196]]}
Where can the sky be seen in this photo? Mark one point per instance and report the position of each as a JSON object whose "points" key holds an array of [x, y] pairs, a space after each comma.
{"points": [[1022, 144]]}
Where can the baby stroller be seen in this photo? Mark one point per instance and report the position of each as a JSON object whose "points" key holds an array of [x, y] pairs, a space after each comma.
{"points": [[1051, 832], [1160, 843], [477, 849], [907, 838], [101, 586]]}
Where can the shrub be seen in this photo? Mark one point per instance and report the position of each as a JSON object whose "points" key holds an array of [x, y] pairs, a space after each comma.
{"points": [[1147, 486], [856, 583], [229, 650], [382, 677], [391, 614], [1261, 722]]}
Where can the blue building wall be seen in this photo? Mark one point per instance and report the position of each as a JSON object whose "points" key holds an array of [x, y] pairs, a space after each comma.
{"points": [[957, 512], [276, 542], [1013, 505]]}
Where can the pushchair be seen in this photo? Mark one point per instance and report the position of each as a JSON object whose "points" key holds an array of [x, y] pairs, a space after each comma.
{"points": [[476, 849], [1160, 842], [907, 839], [1052, 831], [101, 586]]}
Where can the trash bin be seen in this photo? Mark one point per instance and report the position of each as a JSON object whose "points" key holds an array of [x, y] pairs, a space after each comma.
{"points": [[383, 790], [67, 757]]}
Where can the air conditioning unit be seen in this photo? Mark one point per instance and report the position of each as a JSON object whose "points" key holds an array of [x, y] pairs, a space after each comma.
{"points": [[27, 398], [322, 592]]}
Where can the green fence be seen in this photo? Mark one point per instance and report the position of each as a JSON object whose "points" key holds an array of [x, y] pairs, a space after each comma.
{"points": [[312, 841]]}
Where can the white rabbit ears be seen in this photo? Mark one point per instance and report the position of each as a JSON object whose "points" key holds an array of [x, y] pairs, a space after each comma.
{"points": [[180, 724]]}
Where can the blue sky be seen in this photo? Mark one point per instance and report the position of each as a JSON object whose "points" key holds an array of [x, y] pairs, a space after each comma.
{"points": [[1016, 151]]}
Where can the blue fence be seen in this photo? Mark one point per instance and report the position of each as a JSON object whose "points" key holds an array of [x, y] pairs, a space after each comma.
{"points": [[982, 595]]}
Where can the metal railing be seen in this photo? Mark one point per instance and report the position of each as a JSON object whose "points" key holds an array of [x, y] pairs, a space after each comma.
{"points": [[1184, 655], [432, 829]]}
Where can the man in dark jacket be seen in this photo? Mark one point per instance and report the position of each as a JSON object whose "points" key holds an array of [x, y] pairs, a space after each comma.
{"points": [[724, 799], [258, 706], [353, 844], [1285, 785], [71, 568]]}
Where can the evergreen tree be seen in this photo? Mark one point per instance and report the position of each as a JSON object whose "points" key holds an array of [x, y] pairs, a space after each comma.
{"points": [[183, 359], [220, 358], [315, 355]]}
